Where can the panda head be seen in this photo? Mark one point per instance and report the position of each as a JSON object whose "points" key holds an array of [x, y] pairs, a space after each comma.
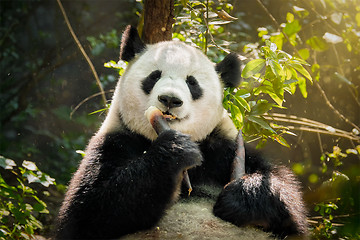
{"points": [[174, 77]]}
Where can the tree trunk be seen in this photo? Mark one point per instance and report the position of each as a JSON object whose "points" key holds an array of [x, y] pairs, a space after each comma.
{"points": [[158, 20]]}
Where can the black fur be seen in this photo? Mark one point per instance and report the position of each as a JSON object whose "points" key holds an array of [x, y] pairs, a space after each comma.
{"points": [[229, 70], [149, 82], [266, 196], [194, 87], [119, 189], [270, 200], [131, 44], [125, 183]]}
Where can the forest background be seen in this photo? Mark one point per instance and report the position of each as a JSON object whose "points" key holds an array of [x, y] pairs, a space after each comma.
{"points": [[299, 100]]}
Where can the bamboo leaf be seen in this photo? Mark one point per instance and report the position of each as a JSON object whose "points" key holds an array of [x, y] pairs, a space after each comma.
{"points": [[276, 68], [261, 108], [243, 103], [302, 70], [281, 140], [253, 67], [260, 122]]}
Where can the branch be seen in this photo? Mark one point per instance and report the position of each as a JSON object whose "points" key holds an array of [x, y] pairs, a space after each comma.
{"points": [[310, 126], [85, 100], [83, 52], [323, 94]]}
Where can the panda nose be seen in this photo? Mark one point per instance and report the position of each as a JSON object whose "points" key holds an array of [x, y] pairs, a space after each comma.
{"points": [[170, 101]]}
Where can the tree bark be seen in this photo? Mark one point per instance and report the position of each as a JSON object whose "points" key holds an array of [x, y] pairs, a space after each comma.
{"points": [[158, 20]]}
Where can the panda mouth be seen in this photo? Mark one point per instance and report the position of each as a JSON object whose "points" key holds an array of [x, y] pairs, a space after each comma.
{"points": [[170, 117]]}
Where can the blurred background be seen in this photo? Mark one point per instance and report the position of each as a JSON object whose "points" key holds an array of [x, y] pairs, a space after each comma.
{"points": [[51, 106]]}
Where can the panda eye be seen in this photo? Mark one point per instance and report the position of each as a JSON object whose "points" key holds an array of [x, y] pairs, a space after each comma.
{"points": [[149, 82], [155, 75], [190, 80], [194, 87]]}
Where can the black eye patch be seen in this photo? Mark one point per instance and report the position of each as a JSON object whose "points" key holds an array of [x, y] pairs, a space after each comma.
{"points": [[149, 82], [194, 87]]}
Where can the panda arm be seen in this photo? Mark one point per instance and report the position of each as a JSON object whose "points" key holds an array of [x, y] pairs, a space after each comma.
{"points": [[266, 196], [119, 189]]}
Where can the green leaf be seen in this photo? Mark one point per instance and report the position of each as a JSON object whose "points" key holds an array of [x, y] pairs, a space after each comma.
{"points": [[304, 53], [290, 81], [101, 110], [317, 44], [263, 89], [289, 17], [302, 86], [301, 70], [316, 208], [40, 207], [315, 68], [260, 108], [281, 140], [253, 67], [278, 99], [262, 31], [243, 103], [243, 93], [276, 68], [81, 152], [236, 113], [278, 39], [292, 27], [278, 88], [260, 122]]}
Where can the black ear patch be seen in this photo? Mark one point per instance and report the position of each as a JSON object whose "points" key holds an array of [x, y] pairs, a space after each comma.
{"points": [[229, 70], [131, 44]]}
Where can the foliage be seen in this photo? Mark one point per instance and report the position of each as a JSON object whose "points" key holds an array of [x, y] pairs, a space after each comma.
{"points": [[274, 72], [278, 72], [341, 33], [326, 227], [202, 24], [341, 207], [19, 203]]}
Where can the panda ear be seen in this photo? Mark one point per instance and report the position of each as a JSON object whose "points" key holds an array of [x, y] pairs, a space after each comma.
{"points": [[131, 44], [229, 70]]}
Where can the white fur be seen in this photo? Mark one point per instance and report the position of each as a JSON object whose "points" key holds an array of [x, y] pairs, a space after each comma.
{"points": [[176, 61]]}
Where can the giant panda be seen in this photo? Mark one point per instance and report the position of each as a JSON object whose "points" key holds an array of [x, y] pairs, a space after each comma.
{"points": [[130, 183]]}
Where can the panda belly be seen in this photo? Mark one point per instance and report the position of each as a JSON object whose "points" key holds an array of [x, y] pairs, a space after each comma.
{"points": [[193, 218]]}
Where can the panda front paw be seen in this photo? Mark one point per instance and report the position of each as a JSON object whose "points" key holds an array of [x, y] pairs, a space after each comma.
{"points": [[178, 149], [231, 206], [255, 199]]}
